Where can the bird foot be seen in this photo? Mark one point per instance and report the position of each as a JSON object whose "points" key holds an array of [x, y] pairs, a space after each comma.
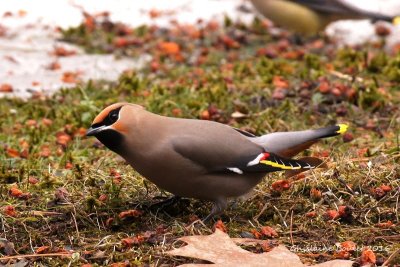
{"points": [[218, 208], [166, 203]]}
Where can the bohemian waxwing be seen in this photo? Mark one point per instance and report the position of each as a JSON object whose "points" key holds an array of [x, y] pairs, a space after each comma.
{"points": [[199, 158], [309, 17]]}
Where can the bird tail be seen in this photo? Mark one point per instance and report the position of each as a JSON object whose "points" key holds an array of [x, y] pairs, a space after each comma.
{"points": [[288, 144], [331, 131], [396, 20]]}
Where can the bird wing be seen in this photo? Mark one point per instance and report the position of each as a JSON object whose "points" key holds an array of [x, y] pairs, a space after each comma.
{"points": [[224, 157], [243, 132], [342, 8]]}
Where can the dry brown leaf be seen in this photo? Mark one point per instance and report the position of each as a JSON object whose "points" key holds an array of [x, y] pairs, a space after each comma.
{"points": [[221, 250]]}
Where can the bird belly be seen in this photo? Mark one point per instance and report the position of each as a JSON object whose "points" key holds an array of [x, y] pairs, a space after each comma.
{"points": [[194, 183], [211, 187]]}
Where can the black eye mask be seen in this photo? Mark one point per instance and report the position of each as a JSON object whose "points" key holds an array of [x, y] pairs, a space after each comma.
{"points": [[111, 118]]}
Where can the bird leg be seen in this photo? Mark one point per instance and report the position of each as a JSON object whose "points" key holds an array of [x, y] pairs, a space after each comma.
{"points": [[218, 207], [165, 203], [296, 39]]}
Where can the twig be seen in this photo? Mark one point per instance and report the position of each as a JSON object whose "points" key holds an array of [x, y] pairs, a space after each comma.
{"points": [[280, 216], [391, 257], [345, 76], [291, 228], [76, 224], [261, 212], [44, 213], [36, 256], [389, 237]]}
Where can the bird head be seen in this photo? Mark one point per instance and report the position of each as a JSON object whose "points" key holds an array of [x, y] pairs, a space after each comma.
{"points": [[112, 124]]}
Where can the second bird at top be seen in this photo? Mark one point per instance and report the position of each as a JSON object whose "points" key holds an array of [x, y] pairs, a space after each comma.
{"points": [[308, 17]]}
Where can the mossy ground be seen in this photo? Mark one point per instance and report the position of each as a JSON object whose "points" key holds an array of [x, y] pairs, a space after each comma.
{"points": [[72, 189]]}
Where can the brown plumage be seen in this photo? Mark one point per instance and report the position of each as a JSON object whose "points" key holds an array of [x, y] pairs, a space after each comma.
{"points": [[198, 158]]}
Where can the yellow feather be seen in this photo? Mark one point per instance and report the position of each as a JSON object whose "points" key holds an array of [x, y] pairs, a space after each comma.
{"points": [[277, 165], [396, 20], [342, 128]]}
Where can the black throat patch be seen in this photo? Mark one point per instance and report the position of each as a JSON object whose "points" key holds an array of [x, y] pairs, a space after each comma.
{"points": [[112, 140]]}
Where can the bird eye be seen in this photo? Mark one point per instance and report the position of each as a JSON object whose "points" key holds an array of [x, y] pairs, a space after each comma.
{"points": [[113, 116]]}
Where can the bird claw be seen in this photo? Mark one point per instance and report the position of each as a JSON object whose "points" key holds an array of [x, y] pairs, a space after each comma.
{"points": [[165, 203]]}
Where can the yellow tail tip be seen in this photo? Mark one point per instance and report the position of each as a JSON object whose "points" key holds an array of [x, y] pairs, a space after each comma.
{"points": [[342, 128], [396, 20]]}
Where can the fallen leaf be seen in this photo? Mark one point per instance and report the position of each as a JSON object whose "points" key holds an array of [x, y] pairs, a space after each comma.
{"points": [[6, 88], [120, 42], [343, 254], [54, 66], [279, 94], [367, 257], [32, 180], [103, 198], [70, 77], [117, 178], [205, 115], [109, 221], [220, 225], [256, 234], [268, 245], [31, 123], [47, 122], [15, 192], [42, 249], [7, 14], [10, 211], [387, 224], [348, 246], [281, 185], [12, 153], [24, 154], [331, 215], [127, 242], [221, 250], [279, 82], [130, 214], [386, 188], [44, 151], [22, 13], [268, 231], [61, 194], [311, 214], [378, 192], [63, 138], [229, 42], [169, 48], [63, 52], [324, 87], [154, 13], [315, 194]]}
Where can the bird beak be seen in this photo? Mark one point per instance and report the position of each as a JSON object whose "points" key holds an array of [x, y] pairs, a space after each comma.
{"points": [[93, 131]]}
